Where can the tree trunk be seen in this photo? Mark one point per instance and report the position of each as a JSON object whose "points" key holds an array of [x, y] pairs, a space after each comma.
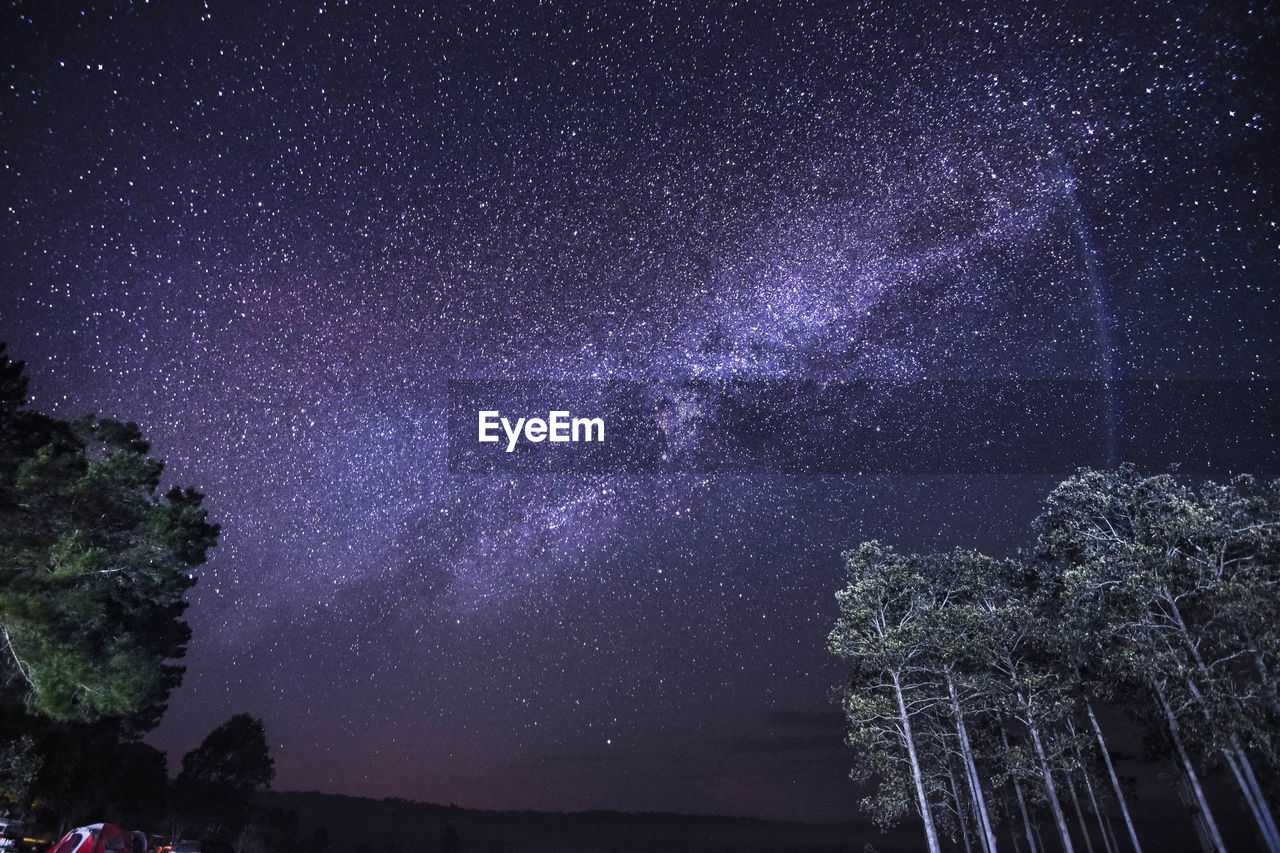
{"points": [[1257, 806], [926, 814], [1252, 792], [1237, 761], [1108, 840], [1050, 789], [1211, 826], [1115, 781], [1022, 802], [1264, 811], [1088, 787], [975, 784], [1084, 827], [960, 810]]}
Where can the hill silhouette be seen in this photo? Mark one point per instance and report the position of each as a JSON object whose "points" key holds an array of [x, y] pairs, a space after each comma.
{"points": [[359, 825], [393, 825]]}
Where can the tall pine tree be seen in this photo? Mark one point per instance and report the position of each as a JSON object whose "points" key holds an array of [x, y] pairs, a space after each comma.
{"points": [[94, 566]]}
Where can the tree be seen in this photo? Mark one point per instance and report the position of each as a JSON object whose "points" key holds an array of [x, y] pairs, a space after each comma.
{"points": [[234, 754], [882, 619], [960, 649], [220, 777], [1141, 593], [316, 842], [1183, 590], [1025, 655], [89, 769], [94, 566], [272, 830]]}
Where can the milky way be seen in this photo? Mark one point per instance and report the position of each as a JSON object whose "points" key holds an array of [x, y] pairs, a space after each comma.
{"points": [[272, 236]]}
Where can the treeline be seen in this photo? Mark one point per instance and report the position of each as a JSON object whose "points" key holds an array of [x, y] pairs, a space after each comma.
{"points": [[88, 774], [975, 684]]}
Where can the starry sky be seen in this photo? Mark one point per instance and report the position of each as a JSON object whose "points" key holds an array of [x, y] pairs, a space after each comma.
{"points": [[274, 233]]}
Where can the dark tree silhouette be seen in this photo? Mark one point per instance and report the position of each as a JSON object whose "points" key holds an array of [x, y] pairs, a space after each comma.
{"points": [[220, 777]]}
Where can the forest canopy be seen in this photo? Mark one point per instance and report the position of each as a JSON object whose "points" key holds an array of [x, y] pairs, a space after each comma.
{"points": [[973, 682]]}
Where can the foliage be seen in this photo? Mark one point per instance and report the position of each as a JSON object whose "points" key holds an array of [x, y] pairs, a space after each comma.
{"points": [[1139, 590], [234, 754], [219, 778], [94, 566]]}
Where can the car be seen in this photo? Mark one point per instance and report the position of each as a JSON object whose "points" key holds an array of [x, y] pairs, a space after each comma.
{"points": [[13, 832], [12, 827]]}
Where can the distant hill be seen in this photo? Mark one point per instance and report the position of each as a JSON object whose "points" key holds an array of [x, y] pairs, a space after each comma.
{"points": [[357, 825]]}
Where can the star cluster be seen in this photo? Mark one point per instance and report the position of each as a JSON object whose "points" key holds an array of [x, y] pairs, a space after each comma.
{"points": [[272, 234]]}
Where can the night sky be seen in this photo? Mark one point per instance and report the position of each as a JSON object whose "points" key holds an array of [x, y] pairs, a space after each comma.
{"points": [[273, 234]]}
